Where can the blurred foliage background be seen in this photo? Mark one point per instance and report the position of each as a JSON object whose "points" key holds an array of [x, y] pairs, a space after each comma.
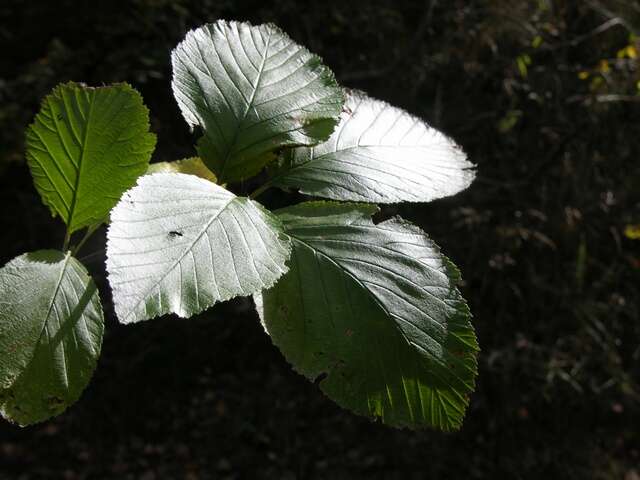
{"points": [[543, 95]]}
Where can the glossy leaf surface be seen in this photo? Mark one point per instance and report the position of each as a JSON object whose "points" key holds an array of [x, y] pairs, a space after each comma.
{"points": [[373, 314]]}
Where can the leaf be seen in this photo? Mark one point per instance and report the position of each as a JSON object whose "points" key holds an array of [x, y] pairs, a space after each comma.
{"points": [[51, 328], [253, 90], [178, 243], [85, 147], [379, 154], [632, 232], [191, 166], [372, 313]]}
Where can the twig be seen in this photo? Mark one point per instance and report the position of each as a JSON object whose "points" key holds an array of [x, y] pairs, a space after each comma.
{"points": [[609, 98], [261, 189], [91, 255], [87, 234]]}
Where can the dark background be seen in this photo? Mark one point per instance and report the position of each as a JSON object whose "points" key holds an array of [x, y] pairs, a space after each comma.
{"points": [[543, 96]]}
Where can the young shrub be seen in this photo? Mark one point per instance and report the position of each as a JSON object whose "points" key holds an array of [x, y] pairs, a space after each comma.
{"points": [[370, 311]]}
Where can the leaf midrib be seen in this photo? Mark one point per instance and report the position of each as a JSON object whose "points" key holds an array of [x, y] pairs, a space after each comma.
{"points": [[370, 294], [379, 303], [312, 159], [258, 80], [74, 198], [46, 317]]}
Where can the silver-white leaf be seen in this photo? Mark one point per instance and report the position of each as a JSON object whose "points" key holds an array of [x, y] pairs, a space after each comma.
{"points": [[379, 154], [252, 90], [179, 244]]}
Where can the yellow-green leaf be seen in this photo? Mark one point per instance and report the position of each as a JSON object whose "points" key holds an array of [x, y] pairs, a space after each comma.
{"points": [[191, 166], [87, 146]]}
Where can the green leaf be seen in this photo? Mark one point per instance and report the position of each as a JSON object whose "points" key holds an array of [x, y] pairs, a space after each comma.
{"points": [[253, 90], [373, 314], [378, 153], [51, 328], [87, 146], [191, 166], [178, 243]]}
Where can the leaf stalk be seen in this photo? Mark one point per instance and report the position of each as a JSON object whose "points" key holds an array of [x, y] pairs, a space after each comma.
{"points": [[258, 191]]}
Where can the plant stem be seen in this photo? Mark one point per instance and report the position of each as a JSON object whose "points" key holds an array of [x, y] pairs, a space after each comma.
{"points": [[65, 243], [261, 189], [91, 255], [87, 234]]}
